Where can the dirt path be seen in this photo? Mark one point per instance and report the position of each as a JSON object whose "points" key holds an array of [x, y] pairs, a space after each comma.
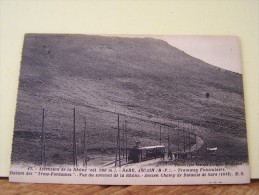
{"points": [[198, 145]]}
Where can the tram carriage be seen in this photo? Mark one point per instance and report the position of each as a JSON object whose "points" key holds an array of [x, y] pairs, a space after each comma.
{"points": [[146, 153]]}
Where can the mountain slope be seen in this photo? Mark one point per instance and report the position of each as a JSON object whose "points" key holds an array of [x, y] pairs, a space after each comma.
{"points": [[141, 77]]}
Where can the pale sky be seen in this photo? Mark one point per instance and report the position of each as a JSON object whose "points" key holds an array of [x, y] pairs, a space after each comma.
{"points": [[221, 51]]}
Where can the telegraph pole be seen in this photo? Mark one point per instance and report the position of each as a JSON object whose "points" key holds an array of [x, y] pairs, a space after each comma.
{"points": [[119, 140], [123, 140], [184, 140], [85, 149], [196, 143], [126, 144], [160, 136], [74, 139], [178, 136], [118, 151], [168, 138], [43, 148]]}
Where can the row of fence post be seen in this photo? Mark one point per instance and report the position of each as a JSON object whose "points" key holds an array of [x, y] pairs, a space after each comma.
{"points": [[43, 141], [186, 136]]}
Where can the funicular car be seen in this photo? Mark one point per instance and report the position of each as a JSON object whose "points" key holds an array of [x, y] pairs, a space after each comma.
{"points": [[146, 153]]}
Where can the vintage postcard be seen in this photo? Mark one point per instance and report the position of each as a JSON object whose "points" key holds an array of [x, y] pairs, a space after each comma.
{"points": [[130, 110]]}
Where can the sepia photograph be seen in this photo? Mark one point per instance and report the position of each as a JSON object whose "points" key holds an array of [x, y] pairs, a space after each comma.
{"points": [[146, 106]]}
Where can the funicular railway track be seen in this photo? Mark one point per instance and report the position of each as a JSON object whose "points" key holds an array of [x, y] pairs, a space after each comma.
{"points": [[194, 148], [145, 161]]}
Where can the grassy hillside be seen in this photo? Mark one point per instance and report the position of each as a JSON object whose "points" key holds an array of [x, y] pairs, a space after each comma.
{"points": [[139, 77]]}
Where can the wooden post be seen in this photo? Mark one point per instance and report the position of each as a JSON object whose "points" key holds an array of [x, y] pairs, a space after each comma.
{"points": [[187, 138], [119, 140], [168, 137], [193, 131], [85, 149], [43, 148], [126, 144], [160, 137], [118, 151], [184, 140], [196, 143], [123, 140], [74, 139], [116, 157], [190, 148], [178, 136]]}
